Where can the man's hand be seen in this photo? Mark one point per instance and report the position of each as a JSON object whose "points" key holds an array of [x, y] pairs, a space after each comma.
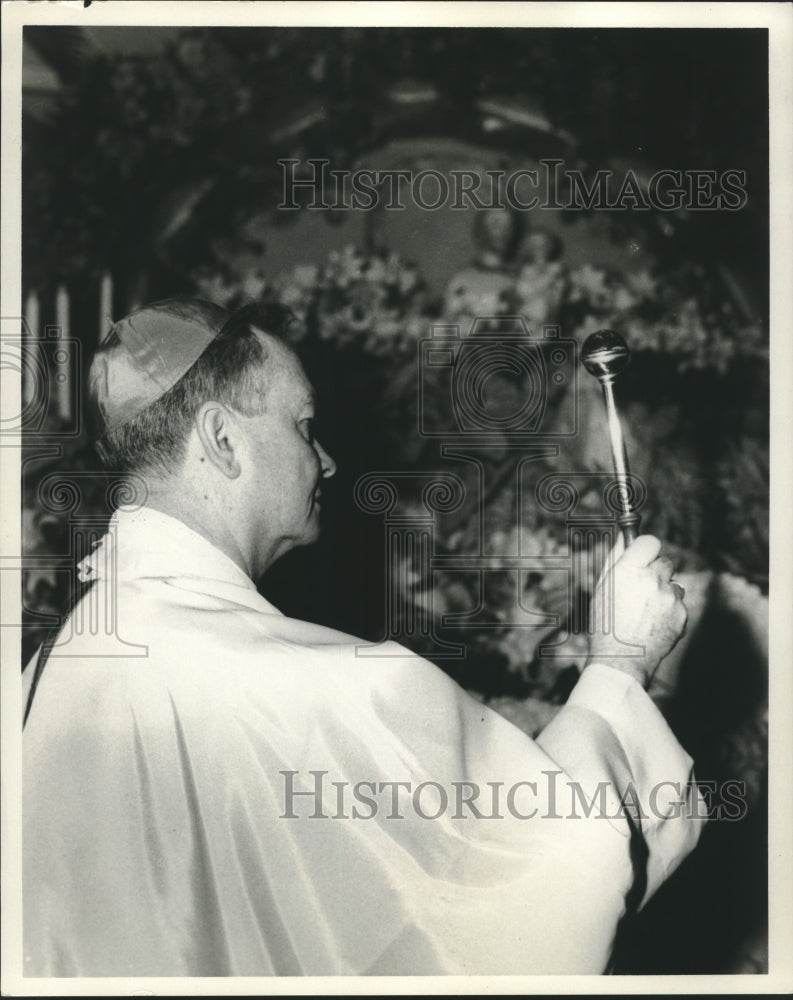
{"points": [[637, 614]]}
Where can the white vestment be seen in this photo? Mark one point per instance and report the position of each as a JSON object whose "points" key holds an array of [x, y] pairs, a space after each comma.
{"points": [[181, 714]]}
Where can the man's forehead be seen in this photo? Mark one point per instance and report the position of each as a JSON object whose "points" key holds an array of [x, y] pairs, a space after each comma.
{"points": [[284, 366]]}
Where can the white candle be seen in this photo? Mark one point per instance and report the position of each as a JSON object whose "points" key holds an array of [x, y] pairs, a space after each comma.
{"points": [[105, 305], [31, 353], [63, 372]]}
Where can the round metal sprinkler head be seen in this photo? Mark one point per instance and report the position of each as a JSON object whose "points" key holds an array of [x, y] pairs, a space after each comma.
{"points": [[605, 354]]}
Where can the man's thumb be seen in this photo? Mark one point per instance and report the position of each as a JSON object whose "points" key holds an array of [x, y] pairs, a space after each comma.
{"points": [[615, 553]]}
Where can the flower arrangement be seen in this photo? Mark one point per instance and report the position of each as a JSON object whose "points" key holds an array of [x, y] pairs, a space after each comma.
{"points": [[376, 303], [688, 314], [376, 308]]}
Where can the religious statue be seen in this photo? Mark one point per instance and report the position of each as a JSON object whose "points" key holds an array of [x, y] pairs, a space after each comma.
{"points": [[542, 278], [482, 288]]}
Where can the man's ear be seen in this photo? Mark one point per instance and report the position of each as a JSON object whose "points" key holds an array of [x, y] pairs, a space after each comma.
{"points": [[218, 434]]}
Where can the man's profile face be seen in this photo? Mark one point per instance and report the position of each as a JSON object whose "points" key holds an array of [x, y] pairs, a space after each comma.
{"points": [[284, 464]]}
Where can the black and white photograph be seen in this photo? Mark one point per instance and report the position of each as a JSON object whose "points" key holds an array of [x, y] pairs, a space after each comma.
{"points": [[396, 558]]}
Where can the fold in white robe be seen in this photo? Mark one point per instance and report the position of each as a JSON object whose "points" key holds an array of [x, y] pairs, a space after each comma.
{"points": [[156, 834]]}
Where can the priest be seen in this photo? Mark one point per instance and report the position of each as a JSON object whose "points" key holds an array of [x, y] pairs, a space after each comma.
{"points": [[212, 788]]}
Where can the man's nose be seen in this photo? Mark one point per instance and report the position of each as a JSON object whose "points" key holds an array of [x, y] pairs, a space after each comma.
{"points": [[327, 464]]}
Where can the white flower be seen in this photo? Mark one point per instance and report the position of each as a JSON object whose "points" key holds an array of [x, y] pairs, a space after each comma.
{"points": [[215, 289], [589, 283], [305, 275], [642, 284], [623, 299], [253, 285]]}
